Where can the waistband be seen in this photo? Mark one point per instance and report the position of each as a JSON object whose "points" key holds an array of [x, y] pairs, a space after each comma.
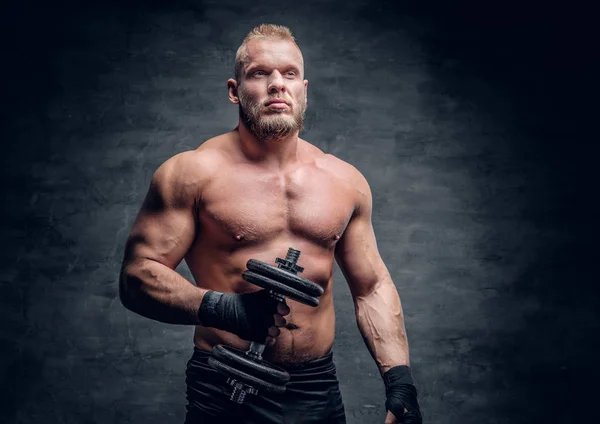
{"points": [[312, 364]]}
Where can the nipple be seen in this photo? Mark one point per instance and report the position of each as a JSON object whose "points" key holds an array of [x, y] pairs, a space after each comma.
{"points": [[238, 237], [336, 237]]}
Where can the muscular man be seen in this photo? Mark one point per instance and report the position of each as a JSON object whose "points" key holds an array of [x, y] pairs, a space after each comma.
{"points": [[253, 193]]}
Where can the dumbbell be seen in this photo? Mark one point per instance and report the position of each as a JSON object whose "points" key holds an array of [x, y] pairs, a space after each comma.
{"points": [[248, 372]]}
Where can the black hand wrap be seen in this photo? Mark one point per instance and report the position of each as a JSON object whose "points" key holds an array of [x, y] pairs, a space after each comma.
{"points": [[401, 393], [247, 315]]}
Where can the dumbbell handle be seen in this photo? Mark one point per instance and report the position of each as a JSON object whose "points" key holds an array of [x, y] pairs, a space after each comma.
{"points": [[289, 263], [256, 349]]}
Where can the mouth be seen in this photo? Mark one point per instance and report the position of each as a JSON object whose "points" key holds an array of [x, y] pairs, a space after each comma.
{"points": [[277, 103]]}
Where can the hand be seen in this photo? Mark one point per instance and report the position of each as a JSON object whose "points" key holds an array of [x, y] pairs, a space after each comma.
{"points": [[401, 396], [259, 316], [252, 316], [278, 321], [391, 418]]}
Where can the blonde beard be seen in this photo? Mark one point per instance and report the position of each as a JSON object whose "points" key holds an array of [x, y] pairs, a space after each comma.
{"points": [[270, 127]]}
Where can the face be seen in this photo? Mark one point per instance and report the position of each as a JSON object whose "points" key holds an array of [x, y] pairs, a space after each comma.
{"points": [[271, 92]]}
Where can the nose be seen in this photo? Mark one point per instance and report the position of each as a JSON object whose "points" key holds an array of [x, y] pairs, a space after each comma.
{"points": [[276, 83]]}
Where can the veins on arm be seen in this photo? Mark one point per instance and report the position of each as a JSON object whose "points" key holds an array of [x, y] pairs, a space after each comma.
{"points": [[377, 304]]}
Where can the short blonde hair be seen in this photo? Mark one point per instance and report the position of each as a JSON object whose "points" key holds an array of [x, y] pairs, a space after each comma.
{"points": [[278, 32]]}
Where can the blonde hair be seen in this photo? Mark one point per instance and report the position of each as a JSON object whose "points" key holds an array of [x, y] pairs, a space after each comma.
{"points": [[278, 32]]}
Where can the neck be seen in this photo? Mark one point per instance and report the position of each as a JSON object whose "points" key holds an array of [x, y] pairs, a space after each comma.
{"points": [[273, 153]]}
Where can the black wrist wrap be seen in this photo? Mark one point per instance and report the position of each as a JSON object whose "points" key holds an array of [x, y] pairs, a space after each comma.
{"points": [[401, 393], [209, 312]]}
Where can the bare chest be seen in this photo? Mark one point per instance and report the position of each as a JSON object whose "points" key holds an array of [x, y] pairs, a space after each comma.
{"points": [[250, 207]]}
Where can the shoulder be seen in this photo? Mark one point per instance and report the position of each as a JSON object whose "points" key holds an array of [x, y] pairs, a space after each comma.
{"points": [[348, 177], [332, 164], [205, 160], [184, 174], [346, 172]]}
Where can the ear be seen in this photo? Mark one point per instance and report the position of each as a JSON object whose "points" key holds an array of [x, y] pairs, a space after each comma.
{"points": [[306, 90], [232, 88]]}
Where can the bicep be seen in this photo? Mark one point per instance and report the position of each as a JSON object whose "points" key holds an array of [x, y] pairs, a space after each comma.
{"points": [[357, 253], [165, 227]]}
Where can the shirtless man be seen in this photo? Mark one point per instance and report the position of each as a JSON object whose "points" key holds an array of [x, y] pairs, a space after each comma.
{"points": [[253, 193]]}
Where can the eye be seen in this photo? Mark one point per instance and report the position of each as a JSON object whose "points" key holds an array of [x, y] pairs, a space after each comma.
{"points": [[291, 73], [258, 73]]}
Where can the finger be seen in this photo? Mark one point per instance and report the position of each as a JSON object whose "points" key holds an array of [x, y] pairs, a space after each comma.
{"points": [[283, 308], [279, 320], [274, 331], [270, 341], [390, 418]]}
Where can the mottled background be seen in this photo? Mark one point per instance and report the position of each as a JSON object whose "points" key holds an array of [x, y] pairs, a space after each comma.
{"points": [[472, 122]]}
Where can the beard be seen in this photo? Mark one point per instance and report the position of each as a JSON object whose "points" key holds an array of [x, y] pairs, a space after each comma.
{"points": [[273, 125]]}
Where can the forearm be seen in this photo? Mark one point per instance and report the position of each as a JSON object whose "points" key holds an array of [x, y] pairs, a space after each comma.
{"points": [[155, 291], [381, 323]]}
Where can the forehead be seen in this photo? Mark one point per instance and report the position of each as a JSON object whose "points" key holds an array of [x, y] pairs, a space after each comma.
{"points": [[272, 52]]}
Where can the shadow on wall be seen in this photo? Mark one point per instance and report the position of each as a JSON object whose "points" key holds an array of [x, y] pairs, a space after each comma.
{"points": [[526, 76], [53, 51]]}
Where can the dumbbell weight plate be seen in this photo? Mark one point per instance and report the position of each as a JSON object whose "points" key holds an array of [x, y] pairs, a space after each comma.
{"points": [[283, 276], [256, 367], [281, 288], [245, 378]]}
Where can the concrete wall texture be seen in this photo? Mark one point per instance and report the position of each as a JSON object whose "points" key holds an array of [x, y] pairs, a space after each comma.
{"points": [[464, 119]]}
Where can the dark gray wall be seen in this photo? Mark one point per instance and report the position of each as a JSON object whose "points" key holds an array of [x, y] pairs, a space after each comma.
{"points": [[471, 122]]}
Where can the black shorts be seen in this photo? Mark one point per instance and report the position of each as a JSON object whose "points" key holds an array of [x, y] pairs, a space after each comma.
{"points": [[312, 396]]}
